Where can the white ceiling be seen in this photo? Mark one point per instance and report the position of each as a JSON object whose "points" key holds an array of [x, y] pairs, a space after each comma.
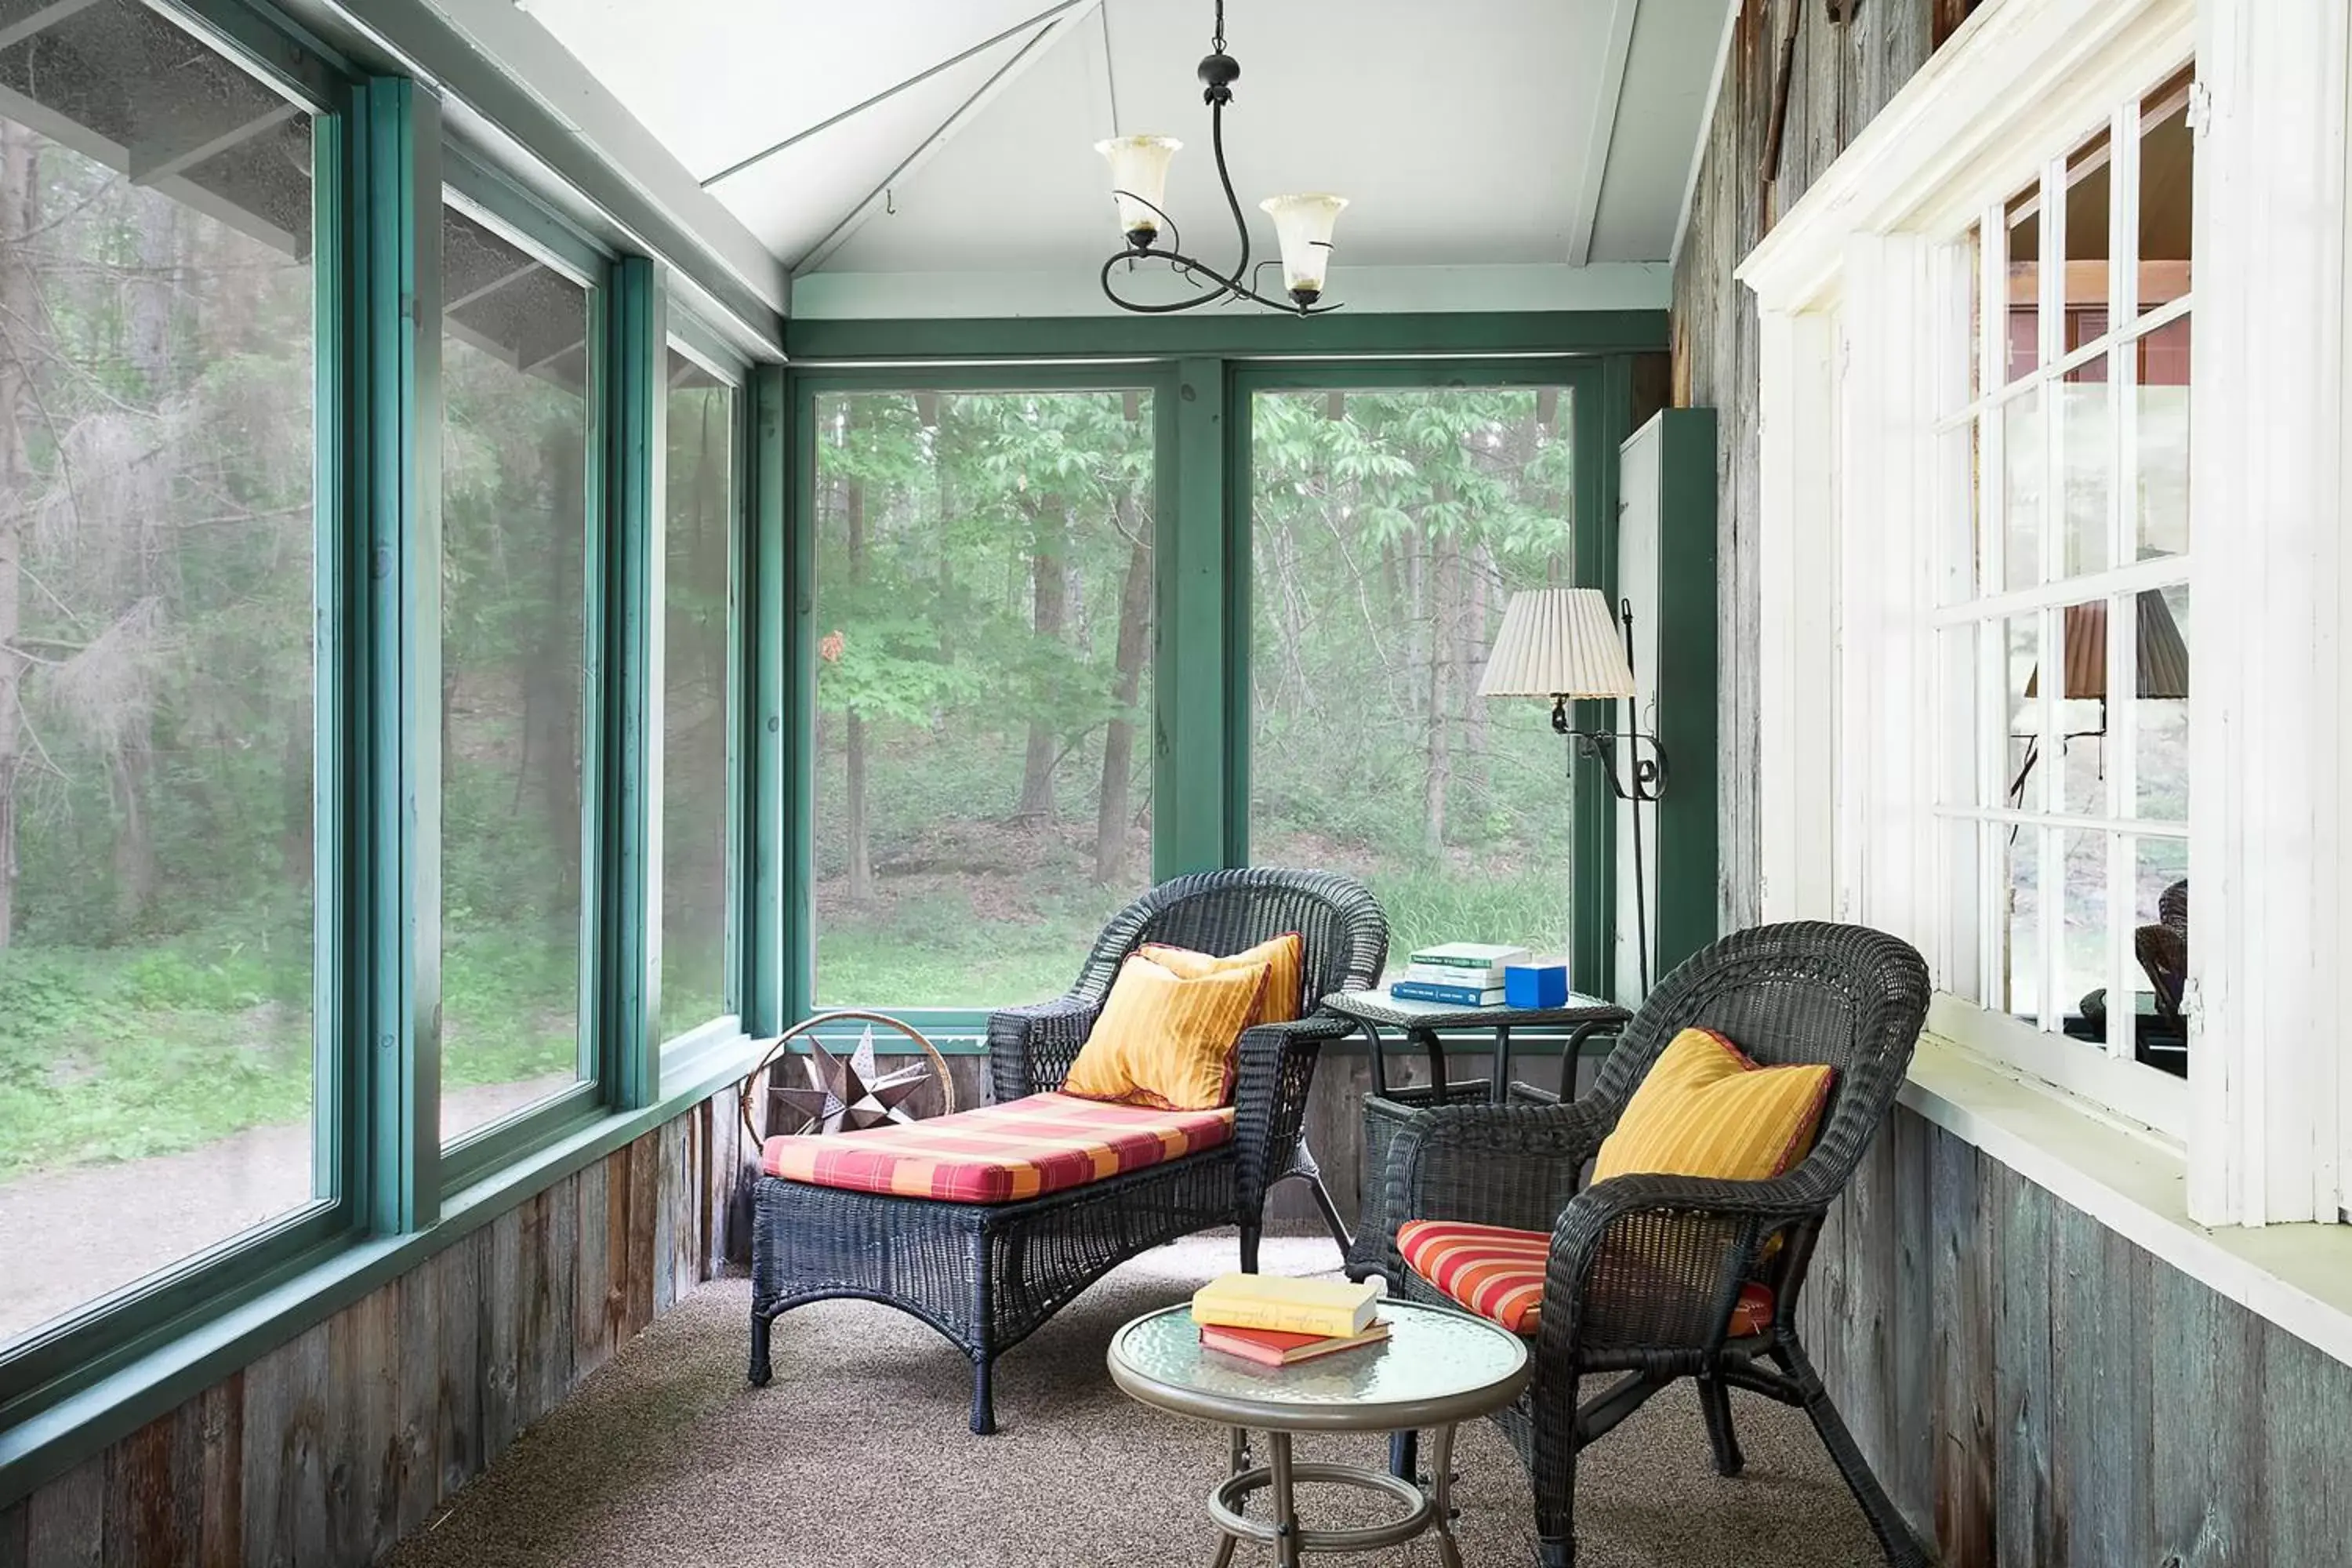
{"points": [[1469, 133]]}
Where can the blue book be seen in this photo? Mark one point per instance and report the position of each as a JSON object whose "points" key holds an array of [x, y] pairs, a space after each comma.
{"points": [[1453, 995]]}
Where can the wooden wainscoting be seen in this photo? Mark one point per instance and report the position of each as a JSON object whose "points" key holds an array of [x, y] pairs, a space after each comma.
{"points": [[2035, 1390], [333, 1445]]}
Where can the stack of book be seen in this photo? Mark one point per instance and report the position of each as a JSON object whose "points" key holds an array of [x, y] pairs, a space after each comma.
{"points": [[1280, 1322], [1462, 974]]}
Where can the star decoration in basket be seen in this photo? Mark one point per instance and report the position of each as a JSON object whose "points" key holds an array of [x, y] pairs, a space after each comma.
{"points": [[848, 1094]]}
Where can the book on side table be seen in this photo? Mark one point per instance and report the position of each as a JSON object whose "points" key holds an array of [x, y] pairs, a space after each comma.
{"points": [[1272, 1347], [1326, 1309]]}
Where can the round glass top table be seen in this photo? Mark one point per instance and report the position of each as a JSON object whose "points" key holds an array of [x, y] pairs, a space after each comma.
{"points": [[1437, 1368]]}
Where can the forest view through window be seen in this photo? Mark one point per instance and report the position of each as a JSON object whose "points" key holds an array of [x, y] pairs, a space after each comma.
{"points": [[1390, 530], [514, 557], [156, 709], [983, 689], [699, 535]]}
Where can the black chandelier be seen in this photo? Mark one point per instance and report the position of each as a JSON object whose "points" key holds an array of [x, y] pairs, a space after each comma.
{"points": [[1139, 171]]}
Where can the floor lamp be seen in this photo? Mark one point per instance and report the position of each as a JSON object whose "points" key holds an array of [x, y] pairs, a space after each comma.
{"points": [[1562, 645]]}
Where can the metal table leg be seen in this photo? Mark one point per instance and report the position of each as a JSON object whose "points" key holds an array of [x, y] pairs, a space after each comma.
{"points": [[1286, 1516], [1441, 1467]]}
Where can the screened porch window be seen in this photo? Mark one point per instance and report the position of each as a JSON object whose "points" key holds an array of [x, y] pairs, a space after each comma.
{"points": [[514, 551], [983, 689], [157, 855], [1389, 528], [698, 545], [2062, 647]]}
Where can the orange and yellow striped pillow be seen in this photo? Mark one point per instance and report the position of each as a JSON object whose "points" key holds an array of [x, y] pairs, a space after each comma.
{"points": [[1285, 958], [1166, 1041], [1705, 1110]]}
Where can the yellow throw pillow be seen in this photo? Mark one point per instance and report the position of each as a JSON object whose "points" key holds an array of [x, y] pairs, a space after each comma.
{"points": [[1165, 1041], [1285, 958], [1705, 1110]]}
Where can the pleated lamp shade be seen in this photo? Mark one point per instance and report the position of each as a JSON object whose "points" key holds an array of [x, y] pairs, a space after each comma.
{"points": [[2161, 652], [1557, 642]]}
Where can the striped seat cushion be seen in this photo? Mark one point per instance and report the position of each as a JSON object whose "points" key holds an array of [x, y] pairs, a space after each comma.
{"points": [[1498, 1273], [1000, 1153]]}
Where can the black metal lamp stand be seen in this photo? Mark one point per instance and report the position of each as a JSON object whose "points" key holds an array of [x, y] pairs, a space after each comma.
{"points": [[1645, 786]]}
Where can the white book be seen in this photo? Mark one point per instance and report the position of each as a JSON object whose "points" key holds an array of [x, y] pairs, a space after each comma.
{"points": [[1440, 975], [1473, 955]]}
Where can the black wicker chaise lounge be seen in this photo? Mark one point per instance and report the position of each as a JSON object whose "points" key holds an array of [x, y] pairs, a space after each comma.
{"points": [[986, 1275]]}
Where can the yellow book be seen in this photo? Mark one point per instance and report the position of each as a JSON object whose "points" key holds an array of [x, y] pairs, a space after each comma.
{"points": [[1330, 1307]]}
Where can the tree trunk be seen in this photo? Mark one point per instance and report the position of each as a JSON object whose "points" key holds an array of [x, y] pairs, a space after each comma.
{"points": [[1049, 578], [148, 297], [554, 680], [20, 306], [1113, 806], [1438, 757], [861, 847]]}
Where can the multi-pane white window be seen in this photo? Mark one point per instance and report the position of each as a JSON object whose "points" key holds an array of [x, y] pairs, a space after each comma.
{"points": [[2062, 631]]}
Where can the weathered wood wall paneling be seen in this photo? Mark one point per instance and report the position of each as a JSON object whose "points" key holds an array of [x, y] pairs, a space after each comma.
{"points": [[1841, 74], [2037, 1392], [330, 1447]]}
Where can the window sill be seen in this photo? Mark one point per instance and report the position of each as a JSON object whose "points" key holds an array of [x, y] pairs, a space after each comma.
{"points": [[2134, 1182], [186, 1356]]}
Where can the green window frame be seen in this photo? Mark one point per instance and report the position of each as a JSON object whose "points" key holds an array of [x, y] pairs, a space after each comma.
{"points": [[1200, 689], [381, 170]]}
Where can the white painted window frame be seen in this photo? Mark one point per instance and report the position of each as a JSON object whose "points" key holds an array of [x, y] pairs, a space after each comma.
{"points": [[1851, 319]]}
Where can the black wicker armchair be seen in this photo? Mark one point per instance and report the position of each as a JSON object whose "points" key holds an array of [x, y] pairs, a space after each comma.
{"points": [[988, 1275], [1644, 1271]]}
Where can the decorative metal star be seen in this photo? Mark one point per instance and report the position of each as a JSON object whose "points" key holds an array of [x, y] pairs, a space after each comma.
{"points": [[848, 1094]]}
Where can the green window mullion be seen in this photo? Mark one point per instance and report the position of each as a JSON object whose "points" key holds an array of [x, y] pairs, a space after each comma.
{"points": [[380, 500], [1604, 417], [629, 379], [797, 773], [1191, 722], [768, 818]]}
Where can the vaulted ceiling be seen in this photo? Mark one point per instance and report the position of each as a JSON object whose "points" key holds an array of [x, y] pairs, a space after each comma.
{"points": [[956, 136]]}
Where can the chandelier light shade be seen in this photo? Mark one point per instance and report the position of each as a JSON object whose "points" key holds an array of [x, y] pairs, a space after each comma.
{"points": [[1556, 643], [1138, 179], [1302, 224]]}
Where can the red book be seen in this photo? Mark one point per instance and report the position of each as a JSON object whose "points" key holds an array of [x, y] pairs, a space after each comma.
{"points": [[1272, 1347]]}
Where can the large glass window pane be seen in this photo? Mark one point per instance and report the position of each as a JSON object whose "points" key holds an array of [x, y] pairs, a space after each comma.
{"points": [[698, 529], [1390, 530], [983, 689], [514, 543], [156, 658], [2083, 961]]}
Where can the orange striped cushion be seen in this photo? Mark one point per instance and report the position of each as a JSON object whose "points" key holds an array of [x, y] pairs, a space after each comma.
{"points": [[1498, 1273], [1000, 1153], [1285, 958], [1164, 1040], [1705, 1110]]}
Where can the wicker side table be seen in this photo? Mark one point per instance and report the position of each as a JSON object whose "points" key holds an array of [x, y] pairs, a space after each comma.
{"points": [[1388, 1111]]}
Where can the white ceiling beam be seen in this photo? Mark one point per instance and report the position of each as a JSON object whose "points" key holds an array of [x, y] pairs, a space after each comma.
{"points": [[163, 156], [41, 21], [920, 77], [1004, 77], [1609, 91]]}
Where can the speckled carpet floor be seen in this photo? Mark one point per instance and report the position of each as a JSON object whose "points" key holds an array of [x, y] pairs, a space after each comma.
{"points": [[857, 1457]]}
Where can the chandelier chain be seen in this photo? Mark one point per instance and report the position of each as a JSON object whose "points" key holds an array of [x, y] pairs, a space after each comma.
{"points": [[1217, 40]]}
